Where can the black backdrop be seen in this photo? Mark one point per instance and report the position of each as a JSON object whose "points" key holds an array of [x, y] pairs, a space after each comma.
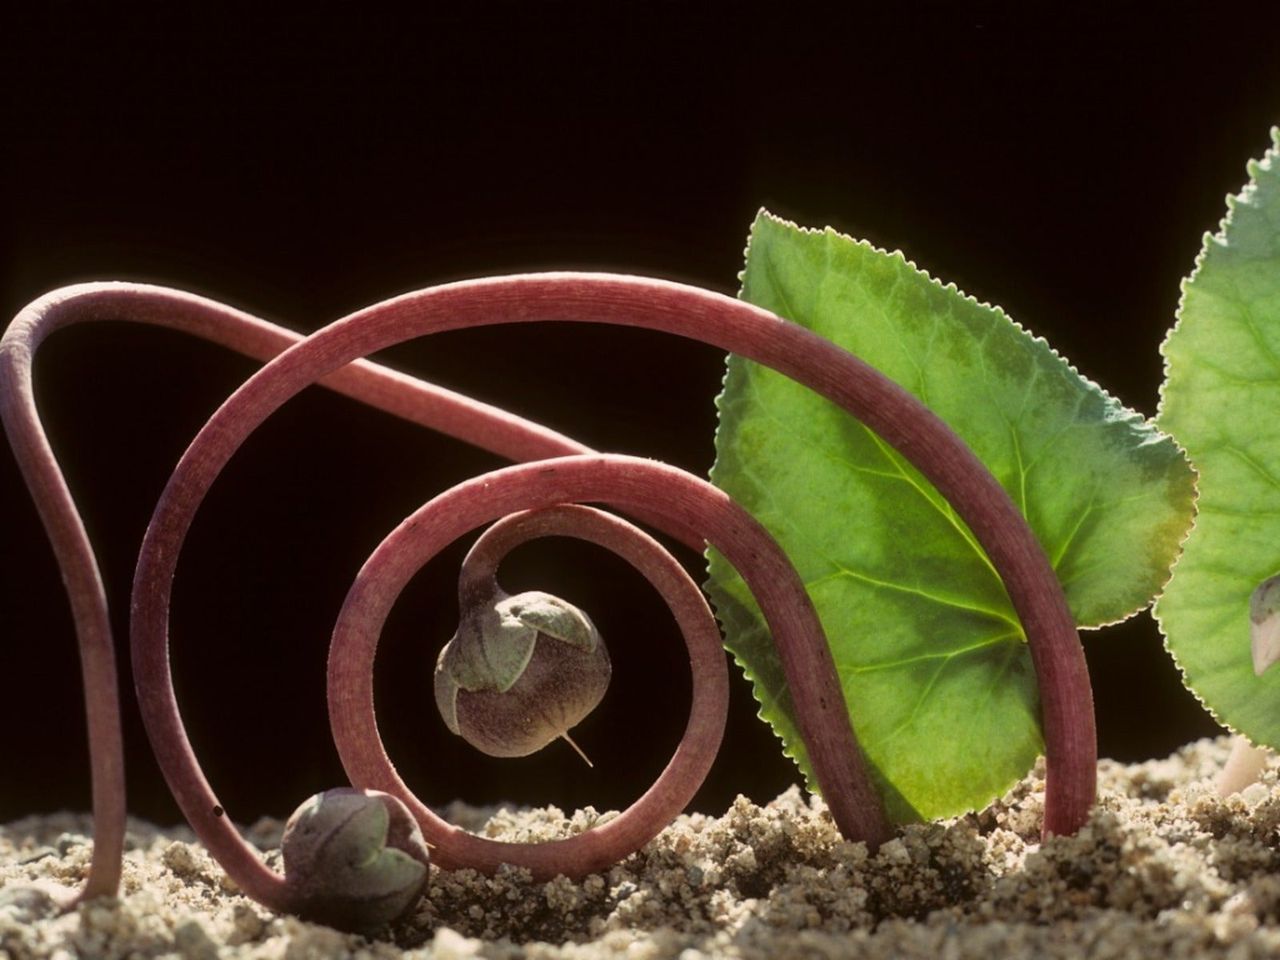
{"points": [[300, 169]]}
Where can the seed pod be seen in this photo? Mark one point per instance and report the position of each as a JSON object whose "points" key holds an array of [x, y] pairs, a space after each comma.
{"points": [[354, 859], [521, 671]]}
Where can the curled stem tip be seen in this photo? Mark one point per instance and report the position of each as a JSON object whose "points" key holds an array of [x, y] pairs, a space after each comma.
{"points": [[534, 503]]}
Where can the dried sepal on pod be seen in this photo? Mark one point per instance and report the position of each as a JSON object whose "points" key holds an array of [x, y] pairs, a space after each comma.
{"points": [[354, 859], [521, 671]]}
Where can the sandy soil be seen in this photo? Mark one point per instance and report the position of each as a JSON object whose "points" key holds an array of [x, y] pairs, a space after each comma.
{"points": [[1165, 868]]}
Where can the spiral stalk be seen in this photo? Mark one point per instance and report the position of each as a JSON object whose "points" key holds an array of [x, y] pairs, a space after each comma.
{"points": [[535, 497]]}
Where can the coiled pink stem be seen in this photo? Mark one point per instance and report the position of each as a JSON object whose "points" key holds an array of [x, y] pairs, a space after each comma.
{"points": [[923, 439], [621, 481], [407, 397]]}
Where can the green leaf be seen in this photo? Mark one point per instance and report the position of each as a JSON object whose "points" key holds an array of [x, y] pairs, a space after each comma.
{"points": [[1220, 398], [933, 661]]}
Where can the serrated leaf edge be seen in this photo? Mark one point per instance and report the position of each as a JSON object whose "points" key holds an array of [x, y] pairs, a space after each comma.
{"points": [[1130, 415], [1269, 157], [1143, 425]]}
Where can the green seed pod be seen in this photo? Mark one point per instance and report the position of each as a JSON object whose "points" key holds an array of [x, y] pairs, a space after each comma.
{"points": [[354, 859], [1264, 624], [520, 672]]}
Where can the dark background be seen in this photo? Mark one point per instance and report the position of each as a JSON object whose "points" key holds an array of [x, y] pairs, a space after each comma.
{"points": [[301, 168]]}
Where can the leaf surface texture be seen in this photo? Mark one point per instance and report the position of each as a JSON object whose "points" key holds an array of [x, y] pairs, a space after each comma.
{"points": [[1220, 399], [931, 656]]}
